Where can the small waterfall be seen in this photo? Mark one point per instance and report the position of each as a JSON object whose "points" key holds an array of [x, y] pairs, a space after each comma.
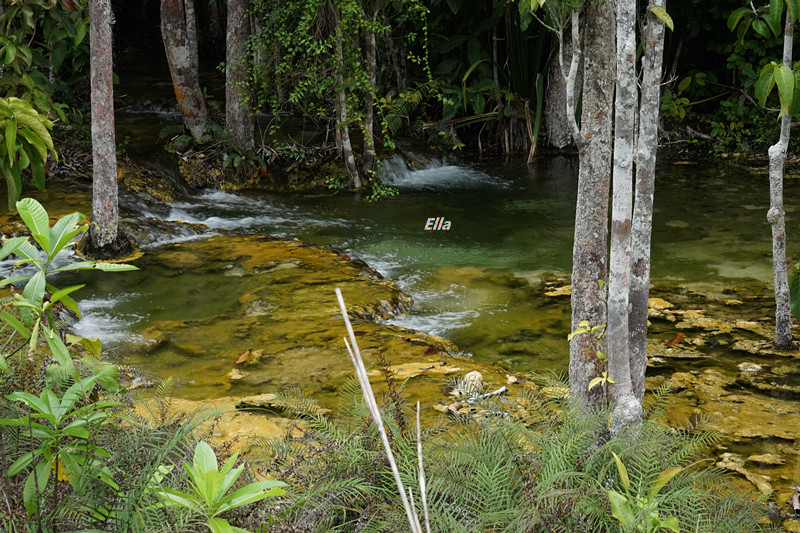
{"points": [[432, 174]]}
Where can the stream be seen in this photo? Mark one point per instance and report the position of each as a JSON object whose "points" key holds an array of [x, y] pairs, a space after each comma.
{"points": [[477, 284]]}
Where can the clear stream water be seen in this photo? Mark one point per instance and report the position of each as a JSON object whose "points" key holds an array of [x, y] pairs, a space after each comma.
{"points": [[509, 222]]}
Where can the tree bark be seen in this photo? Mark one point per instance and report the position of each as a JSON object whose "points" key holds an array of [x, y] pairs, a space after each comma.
{"points": [[775, 215], [625, 408], [180, 43], [591, 220], [371, 53], [238, 119], [647, 146], [105, 217], [557, 125], [342, 128]]}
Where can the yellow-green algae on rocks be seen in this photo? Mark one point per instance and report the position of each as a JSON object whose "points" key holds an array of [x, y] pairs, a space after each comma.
{"points": [[273, 322]]}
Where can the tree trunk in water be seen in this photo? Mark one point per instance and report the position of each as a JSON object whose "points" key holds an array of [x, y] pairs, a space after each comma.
{"points": [[647, 144], [347, 147], [625, 408], [371, 53], [775, 216], [238, 119], [105, 217], [591, 219], [180, 42]]}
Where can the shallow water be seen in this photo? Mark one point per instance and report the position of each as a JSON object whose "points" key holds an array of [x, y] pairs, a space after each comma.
{"points": [[474, 284]]}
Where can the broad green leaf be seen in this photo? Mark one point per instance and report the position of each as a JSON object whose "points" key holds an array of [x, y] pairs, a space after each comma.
{"points": [[29, 492], [60, 352], [66, 300], [18, 326], [28, 252], [22, 463], [219, 525], [64, 230], [663, 478], [174, 498], [11, 138], [774, 16], [61, 293], [595, 382], [251, 493], [10, 245], [623, 472], [37, 172], [205, 459], [114, 267], [34, 289], [794, 107], [736, 16], [621, 508], [792, 8], [765, 83], [80, 265], [761, 28], [11, 52], [13, 186], [91, 345], [662, 14], [672, 524], [35, 217], [784, 79]]}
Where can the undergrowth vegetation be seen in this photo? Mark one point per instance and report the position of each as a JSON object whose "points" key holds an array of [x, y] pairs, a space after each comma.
{"points": [[524, 464], [78, 454]]}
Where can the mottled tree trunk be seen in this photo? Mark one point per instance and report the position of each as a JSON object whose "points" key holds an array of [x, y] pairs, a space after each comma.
{"points": [[371, 53], [105, 217], [341, 103], [594, 176], [238, 119], [775, 215], [179, 33], [647, 145], [625, 408], [559, 134]]}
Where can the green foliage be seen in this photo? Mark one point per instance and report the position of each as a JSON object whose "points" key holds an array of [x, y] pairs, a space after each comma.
{"points": [[41, 35], [530, 463], [209, 496], [36, 312], [794, 289], [25, 144], [62, 440], [627, 507]]}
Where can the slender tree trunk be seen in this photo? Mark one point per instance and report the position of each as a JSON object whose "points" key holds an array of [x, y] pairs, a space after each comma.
{"points": [[238, 119], [347, 147], [591, 220], [626, 409], [371, 54], [557, 125], [775, 216], [647, 145], [180, 42], [105, 217]]}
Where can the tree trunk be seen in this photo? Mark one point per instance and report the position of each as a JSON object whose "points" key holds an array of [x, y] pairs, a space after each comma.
{"points": [[347, 147], [647, 145], [591, 220], [180, 42], [105, 217], [238, 119], [775, 216], [557, 125], [625, 408], [371, 53]]}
